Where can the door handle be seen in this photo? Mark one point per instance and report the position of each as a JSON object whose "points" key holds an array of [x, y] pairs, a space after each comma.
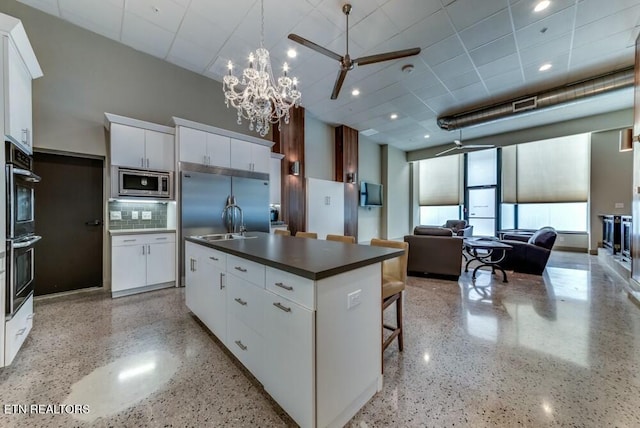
{"points": [[93, 223]]}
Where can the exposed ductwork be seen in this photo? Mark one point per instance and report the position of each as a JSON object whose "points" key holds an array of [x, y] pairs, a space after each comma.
{"points": [[561, 95]]}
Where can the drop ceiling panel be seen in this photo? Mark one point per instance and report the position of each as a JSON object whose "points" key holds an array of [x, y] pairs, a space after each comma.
{"points": [[465, 13], [593, 10], [163, 13], [501, 48], [425, 94], [457, 81], [524, 15], [418, 80], [317, 28], [332, 9], [441, 103], [542, 53], [430, 30], [556, 25], [471, 94], [454, 67], [492, 28], [501, 83], [225, 14], [186, 52], [442, 51], [107, 29], [373, 30], [145, 36], [202, 32], [620, 23], [105, 16], [405, 13], [47, 6]]}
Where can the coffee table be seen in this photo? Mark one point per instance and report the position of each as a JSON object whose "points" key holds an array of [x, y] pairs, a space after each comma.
{"points": [[472, 245]]}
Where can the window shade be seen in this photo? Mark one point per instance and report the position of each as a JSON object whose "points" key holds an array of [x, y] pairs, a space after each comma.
{"points": [[555, 170], [440, 181], [509, 181]]}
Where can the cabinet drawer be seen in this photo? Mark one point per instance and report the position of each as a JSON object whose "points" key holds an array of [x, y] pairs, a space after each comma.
{"points": [[244, 301], [246, 269], [246, 345], [215, 258], [159, 238], [17, 329], [143, 238], [290, 286]]}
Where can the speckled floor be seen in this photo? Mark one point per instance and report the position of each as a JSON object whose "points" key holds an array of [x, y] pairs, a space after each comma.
{"points": [[558, 350]]}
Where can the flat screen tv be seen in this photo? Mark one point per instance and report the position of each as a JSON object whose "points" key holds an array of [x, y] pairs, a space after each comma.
{"points": [[370, 194]]}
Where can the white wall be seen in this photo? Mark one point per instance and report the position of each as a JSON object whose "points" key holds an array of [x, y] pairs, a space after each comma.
{"points": [[319, 148], [369, 163], [397, 193]]}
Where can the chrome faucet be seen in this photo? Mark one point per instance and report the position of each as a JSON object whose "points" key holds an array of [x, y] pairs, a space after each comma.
{"points": [[231, 208]]}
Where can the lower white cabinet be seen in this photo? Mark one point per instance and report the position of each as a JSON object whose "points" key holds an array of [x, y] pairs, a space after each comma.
{"points": [[139, 262], [17, 329], [289, 355], [205, 287]]}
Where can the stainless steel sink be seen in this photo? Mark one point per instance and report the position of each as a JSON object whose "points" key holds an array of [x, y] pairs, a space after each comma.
{"points": [[222, 237]]}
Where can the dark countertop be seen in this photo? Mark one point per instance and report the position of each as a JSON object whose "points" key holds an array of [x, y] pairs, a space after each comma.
{"points": [[310, 258]]}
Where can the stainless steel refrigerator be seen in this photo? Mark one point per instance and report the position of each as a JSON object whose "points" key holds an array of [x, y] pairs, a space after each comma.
{"points": [[203, 195]]}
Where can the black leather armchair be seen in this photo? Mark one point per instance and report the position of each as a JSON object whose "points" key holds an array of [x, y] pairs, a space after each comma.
{"points": [[529, 254], [459, 227]]}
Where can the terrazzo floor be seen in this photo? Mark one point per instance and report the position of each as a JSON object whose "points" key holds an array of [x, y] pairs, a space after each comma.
{"points": [[558, 350]]}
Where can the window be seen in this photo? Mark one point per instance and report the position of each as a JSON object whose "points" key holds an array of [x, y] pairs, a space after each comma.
{"points": [[568, 217], [438, 215]]}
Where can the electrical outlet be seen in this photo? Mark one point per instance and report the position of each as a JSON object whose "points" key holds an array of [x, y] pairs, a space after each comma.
{"points": [[619, 205], [115, 215], [354, 299], [146, 215], [134, 215]]}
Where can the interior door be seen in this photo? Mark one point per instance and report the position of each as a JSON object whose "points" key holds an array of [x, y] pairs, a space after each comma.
{"points": [[69, 217]]}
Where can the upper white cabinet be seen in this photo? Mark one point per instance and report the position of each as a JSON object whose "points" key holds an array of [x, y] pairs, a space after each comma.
{"points": [[19, 68], [250, 156], [137, 147], [210, 146], [204, 148], [275, 178]]}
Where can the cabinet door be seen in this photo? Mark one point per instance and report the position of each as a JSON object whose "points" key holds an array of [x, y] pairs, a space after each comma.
{"points": [[289, 356], [128, 267], [127, 146], [218, 150], [261, 157], [214, 314], [18, 119], [161, 263], [159, 150], [192, 279], [274, 181], [193, 145], [241, 155]]}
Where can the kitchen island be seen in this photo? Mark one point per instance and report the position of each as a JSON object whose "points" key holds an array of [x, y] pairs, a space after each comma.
{"points": [[302, 315]]}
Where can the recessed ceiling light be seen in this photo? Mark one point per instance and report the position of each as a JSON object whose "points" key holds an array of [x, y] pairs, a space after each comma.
{"points": [[393, 116], [427, 135], [355, 92], [545, 67], [291, 53], [542, 6]]}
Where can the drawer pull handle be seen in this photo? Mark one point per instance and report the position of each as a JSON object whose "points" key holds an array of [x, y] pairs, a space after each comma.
{"points": [[161, 239], [286, 287], [280, 306], [241, 269], [21, 331], [222, 276], [30, 317], [215, 259], [242, 302], [241, 346], [130, 240]]}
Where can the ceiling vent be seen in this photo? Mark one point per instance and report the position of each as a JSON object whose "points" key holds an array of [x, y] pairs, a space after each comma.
{"points": [[557, 96], [369, 132]]}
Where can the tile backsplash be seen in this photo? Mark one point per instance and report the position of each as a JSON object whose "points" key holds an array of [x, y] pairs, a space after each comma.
{"points": [[128, 210]]}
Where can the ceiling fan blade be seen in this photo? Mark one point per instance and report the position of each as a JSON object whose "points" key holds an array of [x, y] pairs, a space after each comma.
{"points": [[339, 81], [315, 47], [448, 150], [478, 146], [387, 56]]}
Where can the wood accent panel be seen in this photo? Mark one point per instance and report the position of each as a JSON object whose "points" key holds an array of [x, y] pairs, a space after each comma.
{"points": [[346, 162], [289, 140]]}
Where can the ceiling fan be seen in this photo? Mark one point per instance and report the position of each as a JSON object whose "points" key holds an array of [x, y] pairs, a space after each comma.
{"points": [[346, 62], [460, 146]]}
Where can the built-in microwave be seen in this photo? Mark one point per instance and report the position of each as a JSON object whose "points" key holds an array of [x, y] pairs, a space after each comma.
{"points": [[129, 182]]}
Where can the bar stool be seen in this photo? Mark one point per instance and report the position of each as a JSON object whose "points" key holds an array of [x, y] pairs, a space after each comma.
{"points": [[311, 235], [394, 280], [342, 238], [282, 232]]}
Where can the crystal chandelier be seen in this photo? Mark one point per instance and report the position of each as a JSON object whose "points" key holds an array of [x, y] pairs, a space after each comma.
{"points": [[259, 99]]}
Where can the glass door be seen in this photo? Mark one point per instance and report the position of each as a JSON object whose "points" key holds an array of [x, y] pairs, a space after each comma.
{"points": [[481, 190], [482, 210]]}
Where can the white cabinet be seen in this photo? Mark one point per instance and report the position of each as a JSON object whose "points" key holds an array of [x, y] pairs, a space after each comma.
{"points": [[275, 180], [204, 148], [141, 148], [19, 68], [289, 355], [250, 156], [17, 329], [142, 262], [205, 287]]}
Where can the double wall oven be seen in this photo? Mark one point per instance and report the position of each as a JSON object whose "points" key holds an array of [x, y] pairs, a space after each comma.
{"points": [[21, 237]]}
